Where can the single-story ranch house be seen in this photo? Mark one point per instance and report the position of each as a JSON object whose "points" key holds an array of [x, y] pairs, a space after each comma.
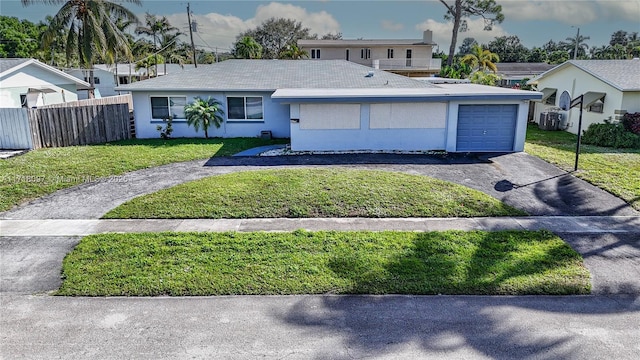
{"points": [[337, 105], [610, 87]]}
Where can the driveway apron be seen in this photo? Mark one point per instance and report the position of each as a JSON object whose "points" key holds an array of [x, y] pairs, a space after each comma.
{"points": [[519, 180]]}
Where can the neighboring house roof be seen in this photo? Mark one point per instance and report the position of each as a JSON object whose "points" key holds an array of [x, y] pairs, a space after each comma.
{"points": [[511, 69], [8, 66], [269, 75], [123, 69], [621, 74], [362, 42]]}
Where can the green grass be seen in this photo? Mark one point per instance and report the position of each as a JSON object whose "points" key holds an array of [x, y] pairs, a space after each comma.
{"points": [[44, 171], [614, 170], [301, 262], [297, 193]]}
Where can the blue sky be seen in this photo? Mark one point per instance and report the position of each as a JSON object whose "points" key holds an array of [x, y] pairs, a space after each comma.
{"points": [[534, 22]]}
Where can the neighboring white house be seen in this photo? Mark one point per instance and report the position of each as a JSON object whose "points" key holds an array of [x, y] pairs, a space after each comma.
{"points": [[337, 105], [107, 77], [30, 83], [610, 88], [514, 73], [411, 57]]}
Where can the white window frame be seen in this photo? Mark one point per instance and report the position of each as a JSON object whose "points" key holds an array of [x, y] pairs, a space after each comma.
{"points": [[390, 53], [168, 97], [315, 53], [244, 97], [365, 53]]}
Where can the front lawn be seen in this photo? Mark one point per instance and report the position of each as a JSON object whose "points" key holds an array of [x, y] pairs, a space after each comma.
{"points": [[453, 262], [44, 171], [614, 170], [298, 193]]}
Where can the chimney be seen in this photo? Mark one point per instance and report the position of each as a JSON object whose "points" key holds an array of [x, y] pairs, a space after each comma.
{"points": [[427, 36]]}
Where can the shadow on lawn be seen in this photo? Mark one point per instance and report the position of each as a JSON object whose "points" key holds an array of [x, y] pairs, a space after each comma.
{"points": [[375, 326]]}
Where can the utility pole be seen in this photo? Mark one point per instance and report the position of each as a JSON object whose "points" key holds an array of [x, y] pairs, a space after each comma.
{"points": [[575, 51], [193, 46]]}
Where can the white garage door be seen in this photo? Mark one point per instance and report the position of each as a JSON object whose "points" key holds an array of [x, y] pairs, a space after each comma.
{"points": [[486, 127]]}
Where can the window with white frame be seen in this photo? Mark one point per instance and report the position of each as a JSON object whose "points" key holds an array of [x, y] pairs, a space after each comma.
{"points": [[596, 107], [315, 53], [245, 108], [365, 53], [389, 53], [163, 106]]}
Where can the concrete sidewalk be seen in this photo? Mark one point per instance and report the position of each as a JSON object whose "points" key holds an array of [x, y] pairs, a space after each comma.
{"points": [[560, 224]]}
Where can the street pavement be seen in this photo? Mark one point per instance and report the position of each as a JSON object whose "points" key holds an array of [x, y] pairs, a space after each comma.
{"points": [[35, 237]]}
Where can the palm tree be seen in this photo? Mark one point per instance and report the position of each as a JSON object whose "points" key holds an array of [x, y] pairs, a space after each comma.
{"points": [[169, 43], [481, 58], [582, 48], [155, 27], [90, 30], [293, 52], [203, 113], [248, 48]]}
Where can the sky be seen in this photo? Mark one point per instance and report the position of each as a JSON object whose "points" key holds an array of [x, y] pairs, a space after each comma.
{"points": [[534, 22]]}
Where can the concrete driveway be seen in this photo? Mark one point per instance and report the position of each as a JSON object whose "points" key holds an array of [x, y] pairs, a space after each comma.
{"points": [[519, 180]]}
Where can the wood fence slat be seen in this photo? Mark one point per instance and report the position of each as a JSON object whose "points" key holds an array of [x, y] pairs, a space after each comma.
{"points": [[102, 121]]}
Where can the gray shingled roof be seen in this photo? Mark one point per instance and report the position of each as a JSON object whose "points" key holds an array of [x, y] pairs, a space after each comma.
{"points": [[6, 64], [624, 75], [248, 75]]}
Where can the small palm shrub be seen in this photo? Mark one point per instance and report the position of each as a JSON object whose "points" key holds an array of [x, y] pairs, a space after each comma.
{"points": [[202, 113]]}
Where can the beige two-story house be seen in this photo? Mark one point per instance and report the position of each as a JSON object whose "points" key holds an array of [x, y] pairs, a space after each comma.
{"points": [[410, 57]]}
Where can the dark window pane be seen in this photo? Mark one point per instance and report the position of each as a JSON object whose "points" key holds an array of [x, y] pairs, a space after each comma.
{"points": [[159, 107], [235, 108]]}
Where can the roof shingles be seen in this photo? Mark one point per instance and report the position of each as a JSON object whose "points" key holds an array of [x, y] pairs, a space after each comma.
{"points": [[269, 75]]}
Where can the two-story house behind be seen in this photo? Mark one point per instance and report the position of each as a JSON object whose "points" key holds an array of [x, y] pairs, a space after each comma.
{"points": [[410, 57]]}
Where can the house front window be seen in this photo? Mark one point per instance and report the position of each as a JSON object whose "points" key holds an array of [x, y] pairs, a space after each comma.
{"points": [[389, 53], [163, 106], [365, 53], [245, 108], [315, 53]]}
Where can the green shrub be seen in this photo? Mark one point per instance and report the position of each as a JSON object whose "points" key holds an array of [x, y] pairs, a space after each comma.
{"points": [[611, 135], [631, 122], [165, 132]]}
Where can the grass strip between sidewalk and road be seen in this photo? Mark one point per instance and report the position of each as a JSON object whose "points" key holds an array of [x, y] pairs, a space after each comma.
{"points": [[326, 262], [45, 171], [312, 193], [614, 170]]}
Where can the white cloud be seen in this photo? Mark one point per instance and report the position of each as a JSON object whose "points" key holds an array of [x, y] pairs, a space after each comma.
{"points": [[218, 30], [391, 26], [442, 32], [571, 12], [620, 10]]}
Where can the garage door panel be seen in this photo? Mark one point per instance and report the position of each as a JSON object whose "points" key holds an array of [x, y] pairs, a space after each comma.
{"points": [[486, 127]]}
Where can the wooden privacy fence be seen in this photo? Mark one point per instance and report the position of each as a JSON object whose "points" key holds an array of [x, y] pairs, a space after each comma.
{"points": [[69, 126], [119, 99]]}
